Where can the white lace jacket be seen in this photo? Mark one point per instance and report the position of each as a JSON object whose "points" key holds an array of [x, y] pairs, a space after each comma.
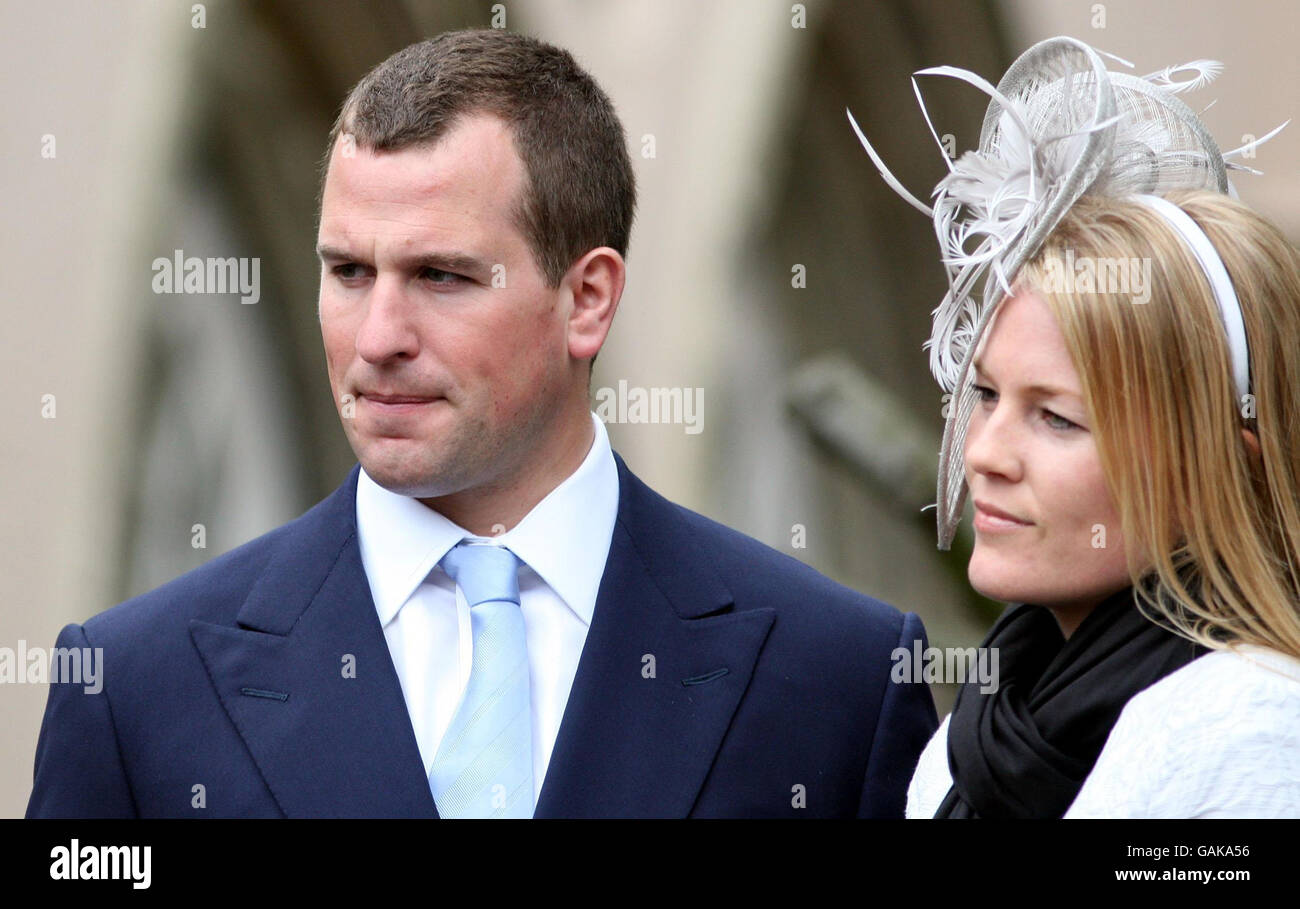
{"points": [[1218, 738]]}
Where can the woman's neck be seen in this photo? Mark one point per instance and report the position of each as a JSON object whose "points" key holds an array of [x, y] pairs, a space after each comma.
{"points": [[1069, 616]]}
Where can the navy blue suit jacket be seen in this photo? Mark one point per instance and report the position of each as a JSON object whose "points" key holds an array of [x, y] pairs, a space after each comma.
{"points": [[770, 693]]}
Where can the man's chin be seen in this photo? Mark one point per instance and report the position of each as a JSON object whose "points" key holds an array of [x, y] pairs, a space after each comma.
{"points": [[403, 467], [416, 485]]}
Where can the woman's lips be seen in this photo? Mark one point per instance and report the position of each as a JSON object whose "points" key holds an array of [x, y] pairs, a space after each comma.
{"points": [[989, 519]]}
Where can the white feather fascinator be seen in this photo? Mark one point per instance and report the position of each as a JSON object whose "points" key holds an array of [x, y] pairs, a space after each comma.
{"points": [[1058, 125]]}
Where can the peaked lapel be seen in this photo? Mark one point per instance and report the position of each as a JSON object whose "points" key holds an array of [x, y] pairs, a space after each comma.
{"points": [[666, 662], [665, 665], [326, 741]]}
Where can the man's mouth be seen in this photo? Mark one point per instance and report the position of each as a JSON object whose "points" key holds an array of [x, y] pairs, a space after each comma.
{"points": [[397, 403]]}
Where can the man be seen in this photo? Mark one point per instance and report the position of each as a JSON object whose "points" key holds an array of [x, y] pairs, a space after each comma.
{"points": [[492, 616]]}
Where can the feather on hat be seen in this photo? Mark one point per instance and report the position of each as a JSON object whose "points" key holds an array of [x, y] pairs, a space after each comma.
{"points": [[1058, 125]]}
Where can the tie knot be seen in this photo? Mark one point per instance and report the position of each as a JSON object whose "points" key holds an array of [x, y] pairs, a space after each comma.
{"points": [[486, 573]]}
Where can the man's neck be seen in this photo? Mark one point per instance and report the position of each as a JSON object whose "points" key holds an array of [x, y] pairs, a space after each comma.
{"points": [[493, 509]]}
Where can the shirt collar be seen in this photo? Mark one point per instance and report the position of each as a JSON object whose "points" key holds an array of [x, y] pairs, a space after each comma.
{"points": [[401, 541], [565, 539]]}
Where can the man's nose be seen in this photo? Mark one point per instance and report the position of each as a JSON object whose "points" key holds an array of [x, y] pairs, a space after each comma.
{"points": [[993, 441], [387, 331]]}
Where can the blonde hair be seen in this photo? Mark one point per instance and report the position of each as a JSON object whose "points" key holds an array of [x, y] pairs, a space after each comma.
{"points": [[1212, 533]]}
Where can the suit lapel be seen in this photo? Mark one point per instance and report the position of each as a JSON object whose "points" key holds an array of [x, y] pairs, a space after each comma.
{"points": [[328, 741], [663, 670], [665, 665]]}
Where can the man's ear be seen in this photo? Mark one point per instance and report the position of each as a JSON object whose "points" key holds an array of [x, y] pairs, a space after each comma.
{"points": [[595, 283]]}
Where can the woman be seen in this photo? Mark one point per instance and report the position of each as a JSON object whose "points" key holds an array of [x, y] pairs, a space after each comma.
{"points": [[1126, 418], [1106, 429]]}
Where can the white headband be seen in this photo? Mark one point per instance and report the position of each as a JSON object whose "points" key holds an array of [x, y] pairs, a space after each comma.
{"points": [[1217, 274]]}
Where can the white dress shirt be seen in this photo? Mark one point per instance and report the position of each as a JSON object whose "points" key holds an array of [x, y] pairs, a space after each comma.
{"points": [[563, 544]]}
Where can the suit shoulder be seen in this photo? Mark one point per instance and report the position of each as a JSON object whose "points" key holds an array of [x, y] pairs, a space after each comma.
{"points": [[763, 576]]}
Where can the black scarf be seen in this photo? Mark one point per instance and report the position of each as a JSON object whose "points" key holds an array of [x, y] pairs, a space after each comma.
{"points": [[1024, 750]]}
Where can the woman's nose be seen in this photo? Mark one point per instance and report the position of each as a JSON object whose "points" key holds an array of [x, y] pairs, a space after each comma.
{"points": [[992, 441]]}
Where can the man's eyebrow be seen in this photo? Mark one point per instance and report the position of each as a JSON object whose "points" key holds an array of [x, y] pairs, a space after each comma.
{"points": [[449, 261], [1042, 391], [331, 254], [443, 260]]}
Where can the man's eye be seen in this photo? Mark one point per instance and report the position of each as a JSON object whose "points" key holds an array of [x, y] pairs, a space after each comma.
{"points": [[348, 271], [987, 395], [438, 276]]}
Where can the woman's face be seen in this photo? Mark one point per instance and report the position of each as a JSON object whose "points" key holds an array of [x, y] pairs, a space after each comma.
{"points": [[1046, 528]]}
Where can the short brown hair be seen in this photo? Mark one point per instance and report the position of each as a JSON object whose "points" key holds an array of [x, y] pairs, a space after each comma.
{"points": [[580, 192]]}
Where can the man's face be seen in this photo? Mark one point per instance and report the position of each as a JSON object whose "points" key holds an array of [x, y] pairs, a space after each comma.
{"points": [[455, 381]]}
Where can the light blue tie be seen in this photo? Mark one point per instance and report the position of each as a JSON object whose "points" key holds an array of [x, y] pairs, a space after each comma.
{"points": [[484, 764]]}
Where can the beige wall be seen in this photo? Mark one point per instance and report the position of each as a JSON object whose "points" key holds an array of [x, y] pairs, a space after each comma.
{"points": [[102, 79]]}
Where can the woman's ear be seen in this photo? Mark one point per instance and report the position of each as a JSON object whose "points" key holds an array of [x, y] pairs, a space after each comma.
{"points": [[1252, 448]]}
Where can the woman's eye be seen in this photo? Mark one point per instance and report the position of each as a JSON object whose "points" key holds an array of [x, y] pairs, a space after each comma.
{"points": [[1056, 421]]}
